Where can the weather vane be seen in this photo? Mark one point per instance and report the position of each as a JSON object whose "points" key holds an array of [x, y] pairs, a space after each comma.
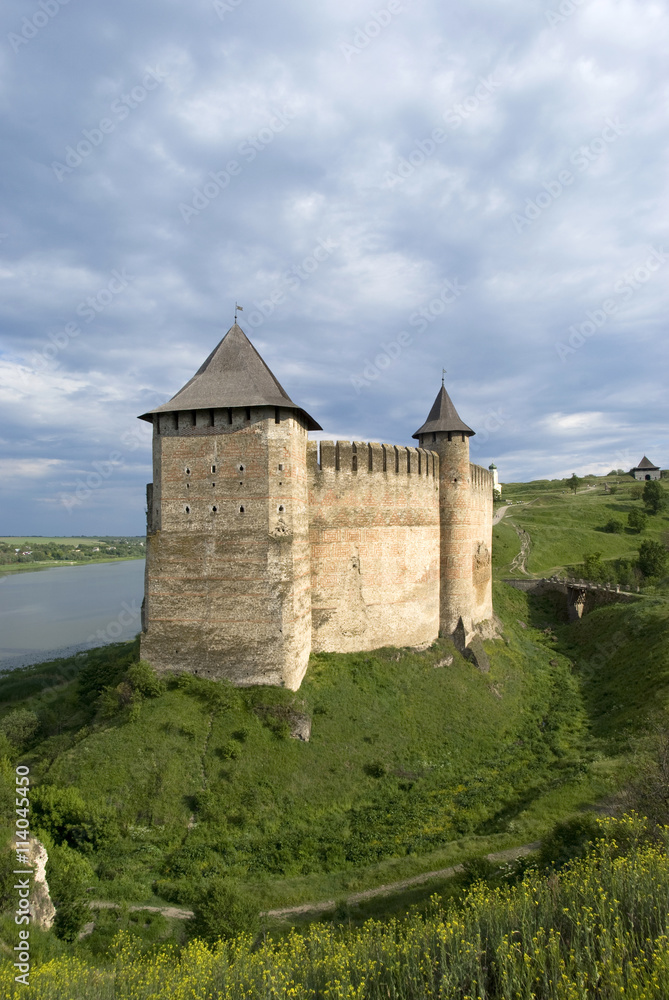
{"points": [[238, 309], [443, 372]]}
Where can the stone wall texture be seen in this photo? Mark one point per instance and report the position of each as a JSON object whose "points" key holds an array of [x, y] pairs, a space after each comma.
{"points": [[263, 546]]}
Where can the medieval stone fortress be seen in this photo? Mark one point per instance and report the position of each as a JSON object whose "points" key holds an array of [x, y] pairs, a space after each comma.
{"points": [[263, 547]]}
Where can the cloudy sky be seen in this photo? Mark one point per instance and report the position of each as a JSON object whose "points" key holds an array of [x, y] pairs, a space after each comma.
{"points": [[387, 189]]}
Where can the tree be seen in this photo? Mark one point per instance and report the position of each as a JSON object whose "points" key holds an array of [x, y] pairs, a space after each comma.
{"points": [[224, 910], [574, 482], [19, 726], [69, 875], [654, 498], [637, 520], [593, 567], [652, 558], [614, 526]]}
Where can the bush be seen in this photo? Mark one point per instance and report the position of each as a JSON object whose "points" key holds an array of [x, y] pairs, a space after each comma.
{"points": [[568, 840], [19, 726], [614, 526], [637, 520], [69, 875], [67, 818], [144, 680], [224, 910], [652, 558]]}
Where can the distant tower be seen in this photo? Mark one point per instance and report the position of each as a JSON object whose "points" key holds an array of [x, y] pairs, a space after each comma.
{"points": [[496, 487], [228, 562], [445, 433]]}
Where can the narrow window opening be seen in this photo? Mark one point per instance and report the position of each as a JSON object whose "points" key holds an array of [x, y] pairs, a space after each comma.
{"points": [[229, 414], [213, 469], [370, 463], [397, 460], [157, 425], [280, 467], [241, 510], [188, 510], [213, 485], [434, 436], [450, 436], [463, 438], [277, 415], [281, 508], [241, 468], [385, 461], [248, 412], [188, 472], [214, 509], [355, 463], [187, 486], [194, 417], [211, 418]]}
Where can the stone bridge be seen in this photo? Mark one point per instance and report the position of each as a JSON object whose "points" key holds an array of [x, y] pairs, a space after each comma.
{"points": [[582, 595]]}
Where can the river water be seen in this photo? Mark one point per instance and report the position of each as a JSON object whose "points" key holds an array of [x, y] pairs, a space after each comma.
{"points": [[57, 612]]}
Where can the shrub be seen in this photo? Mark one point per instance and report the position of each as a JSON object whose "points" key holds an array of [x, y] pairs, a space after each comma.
{"points": [[68, 874], [224, 910], [614, 526], [65, 816], [568, 840], [375, 769], [637, 520], [143, 679], [19, 726], [652, 558]]}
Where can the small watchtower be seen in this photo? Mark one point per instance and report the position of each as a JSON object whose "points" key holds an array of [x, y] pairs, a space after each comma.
{"points": [[448, 435], [228, 562]]}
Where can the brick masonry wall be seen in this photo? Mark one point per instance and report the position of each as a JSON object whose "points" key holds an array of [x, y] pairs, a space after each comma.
{"points": [[482, 513], [374, 534], [228, 559]]}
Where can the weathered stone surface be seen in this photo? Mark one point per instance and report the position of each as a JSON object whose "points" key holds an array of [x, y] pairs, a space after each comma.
{"points": [[42, 910], [300, 727]]}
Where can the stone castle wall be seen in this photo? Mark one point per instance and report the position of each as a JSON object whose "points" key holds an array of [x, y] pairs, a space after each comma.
{"points": [[374, 534], [481, 490]]}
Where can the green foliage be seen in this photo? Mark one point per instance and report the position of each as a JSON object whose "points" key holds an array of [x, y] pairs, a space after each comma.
{"points": [[636, 492], [652, 558], [614, 526], [69, 874], [637, 520], [224, 910], [570, 839], [574, 482], [143, 679], [19, 726], [593, 567], [613, 489], [68, 818], [654, 497]]}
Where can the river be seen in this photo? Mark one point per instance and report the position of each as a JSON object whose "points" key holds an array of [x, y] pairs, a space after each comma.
{"points": [[58, 612]]}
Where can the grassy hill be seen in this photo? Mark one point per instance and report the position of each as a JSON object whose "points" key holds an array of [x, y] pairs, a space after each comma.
{"points": [[565, 526], [416, 760]]}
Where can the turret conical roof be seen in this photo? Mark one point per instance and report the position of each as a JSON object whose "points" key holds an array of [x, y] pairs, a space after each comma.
{"points": [[443, 417], [234, 374], [645, 463]]}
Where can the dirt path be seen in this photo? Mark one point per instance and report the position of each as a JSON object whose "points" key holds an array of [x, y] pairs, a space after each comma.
{"points": [[329, 904], [519, 562], [392, 887], [499, 514]]}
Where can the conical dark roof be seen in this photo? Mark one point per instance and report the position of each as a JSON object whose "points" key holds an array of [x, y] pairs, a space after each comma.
{"points": [[443, 417], [234, 374], [646, 464]]}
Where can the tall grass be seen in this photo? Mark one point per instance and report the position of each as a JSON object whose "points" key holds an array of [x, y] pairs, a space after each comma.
{"points": [[599, 928]]}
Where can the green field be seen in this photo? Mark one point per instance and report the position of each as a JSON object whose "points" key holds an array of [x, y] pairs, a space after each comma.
{"points": [[563, 526]]}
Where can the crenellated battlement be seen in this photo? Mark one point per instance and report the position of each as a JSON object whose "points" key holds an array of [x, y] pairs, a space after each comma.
{"points": [[370, 456], [481, 479]]}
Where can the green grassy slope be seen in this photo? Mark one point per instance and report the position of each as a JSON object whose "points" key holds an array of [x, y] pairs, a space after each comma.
{"points": [[564, 526]]}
